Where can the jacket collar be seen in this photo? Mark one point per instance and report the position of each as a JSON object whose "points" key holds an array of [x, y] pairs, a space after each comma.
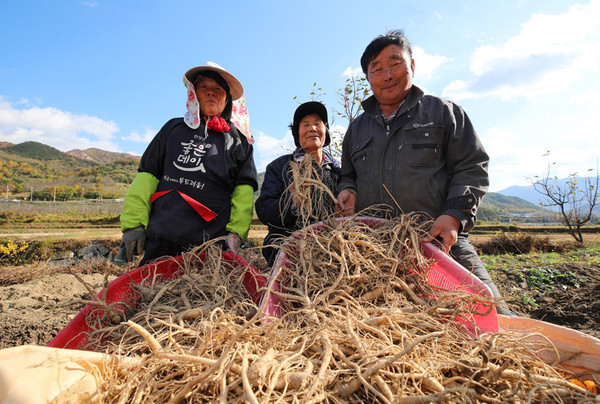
{"points": [[371, 106]]}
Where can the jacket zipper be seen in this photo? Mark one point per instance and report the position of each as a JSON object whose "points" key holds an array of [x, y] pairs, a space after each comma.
{"points": [[402, 119]]}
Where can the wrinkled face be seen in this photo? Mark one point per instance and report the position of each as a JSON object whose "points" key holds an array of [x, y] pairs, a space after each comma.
{"points": [[211, 96], [390, 75], [311, 133]]}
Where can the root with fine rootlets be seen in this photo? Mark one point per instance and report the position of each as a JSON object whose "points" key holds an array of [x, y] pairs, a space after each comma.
{"points": [[311, 200], [360, 325]]}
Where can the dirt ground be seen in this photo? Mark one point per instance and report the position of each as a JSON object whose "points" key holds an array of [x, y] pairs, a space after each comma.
{"points": [[574, 304], [37, 305], [33, 312], [579, 309]]}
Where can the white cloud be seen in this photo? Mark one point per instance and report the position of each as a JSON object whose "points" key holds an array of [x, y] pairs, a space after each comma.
{"points": [[337, 132], [267, 148], [549, 54], [352, 71], [589, 100], [90, 4], [426, 65], [145, 137], [516, 156], [507, 152], [62, 130]]}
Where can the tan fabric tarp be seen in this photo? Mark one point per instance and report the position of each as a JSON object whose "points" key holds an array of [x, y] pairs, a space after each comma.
{"points": [[578, 352], [32, 374]]}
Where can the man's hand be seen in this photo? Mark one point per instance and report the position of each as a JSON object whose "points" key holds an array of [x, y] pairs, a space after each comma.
{"points": [[134, 241], [445, 227], [346, 202], [233, 243]]}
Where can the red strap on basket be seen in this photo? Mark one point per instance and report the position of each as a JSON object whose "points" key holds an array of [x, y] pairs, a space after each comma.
{"points": [[202, 210]]}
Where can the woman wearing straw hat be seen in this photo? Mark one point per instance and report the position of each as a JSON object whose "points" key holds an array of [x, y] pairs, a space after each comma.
{"points": [[275, 206], [196, 180]]}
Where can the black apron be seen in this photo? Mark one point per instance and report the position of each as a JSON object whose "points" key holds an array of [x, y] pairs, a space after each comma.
{"points": [[192, 202]]}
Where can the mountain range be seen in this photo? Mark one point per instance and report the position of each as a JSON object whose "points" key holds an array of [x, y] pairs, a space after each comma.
{"points": [[40, 151], [30, 165], [530, 194], [526, 192]]}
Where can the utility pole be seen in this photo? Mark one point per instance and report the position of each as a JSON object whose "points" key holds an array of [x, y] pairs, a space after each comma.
{"points": [[55, 193], [31, 199], [7, 192]]}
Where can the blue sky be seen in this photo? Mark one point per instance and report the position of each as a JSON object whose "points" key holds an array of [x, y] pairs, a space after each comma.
{"points": [[108, 74]]}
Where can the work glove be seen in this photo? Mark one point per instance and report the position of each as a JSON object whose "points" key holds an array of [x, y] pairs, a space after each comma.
{"points": [[233, 242], [134, 242], [121, 257]]}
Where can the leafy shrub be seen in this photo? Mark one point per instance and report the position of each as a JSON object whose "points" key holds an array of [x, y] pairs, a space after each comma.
{"points": [[13, 253], [23, 252]]}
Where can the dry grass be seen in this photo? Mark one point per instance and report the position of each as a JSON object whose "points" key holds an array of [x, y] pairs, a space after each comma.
{"points": [[17, 274]]}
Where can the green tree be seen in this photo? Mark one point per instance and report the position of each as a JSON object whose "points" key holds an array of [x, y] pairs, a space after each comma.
{"points": [[350, 97], [99, 180], [356, 90], [91, 194]]}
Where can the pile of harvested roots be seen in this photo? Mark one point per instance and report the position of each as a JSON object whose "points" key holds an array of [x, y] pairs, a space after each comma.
{"points": [[207, 285], [360, 324]]}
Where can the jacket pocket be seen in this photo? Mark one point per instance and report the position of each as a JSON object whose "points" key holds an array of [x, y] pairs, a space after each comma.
{"points": [[361, 162], [424, 146], [360, 155]]}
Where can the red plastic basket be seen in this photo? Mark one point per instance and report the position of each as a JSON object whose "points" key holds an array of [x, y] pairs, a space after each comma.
{"points": [[445, 274], [75, 334]]}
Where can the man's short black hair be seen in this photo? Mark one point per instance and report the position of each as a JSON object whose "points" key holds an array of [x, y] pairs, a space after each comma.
{"points": [[394, 37]]}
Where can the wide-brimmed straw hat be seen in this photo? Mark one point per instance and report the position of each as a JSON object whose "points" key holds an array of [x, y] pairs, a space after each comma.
{"points": [[235, 87]]}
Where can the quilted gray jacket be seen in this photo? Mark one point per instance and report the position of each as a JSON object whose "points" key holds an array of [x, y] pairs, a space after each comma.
{"points": [[429, 158]]}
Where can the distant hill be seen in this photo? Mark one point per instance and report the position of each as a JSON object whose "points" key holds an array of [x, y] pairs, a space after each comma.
{"points": [[504, 208], [529, 193], [513, 204], [526, 192], [32, 167], [100, 156], [36, 150]]}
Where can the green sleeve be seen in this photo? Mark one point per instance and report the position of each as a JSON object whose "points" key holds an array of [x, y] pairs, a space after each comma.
{"points": [[242, 204], [136, 207]]}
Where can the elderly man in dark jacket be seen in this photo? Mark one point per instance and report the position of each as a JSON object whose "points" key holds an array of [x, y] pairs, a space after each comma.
{"points": [[414, 153]]}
